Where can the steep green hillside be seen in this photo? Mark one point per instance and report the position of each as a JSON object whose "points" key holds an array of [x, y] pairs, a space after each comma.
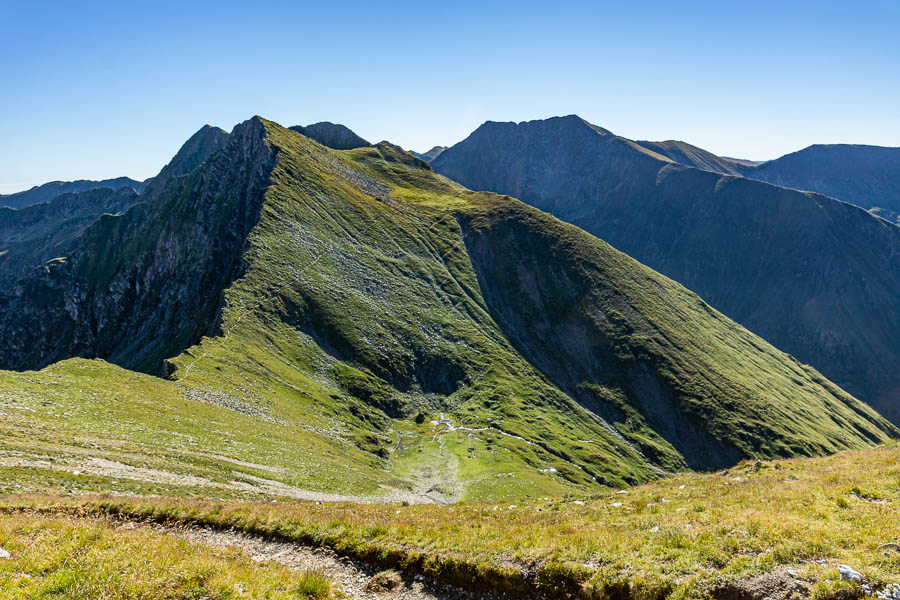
{"points": [[816, 277], [346, 301]]}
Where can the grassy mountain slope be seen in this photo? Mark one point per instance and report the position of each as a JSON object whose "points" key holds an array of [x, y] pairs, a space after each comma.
{"points": [[31, 236], [762, 529], [355, 298], [49, 191], [816, 277], [866, 176]]}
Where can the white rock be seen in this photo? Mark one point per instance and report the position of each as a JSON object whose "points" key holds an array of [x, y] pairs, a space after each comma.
{"points": [[655, 529], [578, 502], [617, 504], [681, 487], [5, 554], [848, 573]]}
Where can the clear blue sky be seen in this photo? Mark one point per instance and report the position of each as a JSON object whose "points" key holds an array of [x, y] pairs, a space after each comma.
{"points": [[96, 90]]}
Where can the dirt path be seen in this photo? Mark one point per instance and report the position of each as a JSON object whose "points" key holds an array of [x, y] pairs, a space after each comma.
{"points": [[353, 579]]}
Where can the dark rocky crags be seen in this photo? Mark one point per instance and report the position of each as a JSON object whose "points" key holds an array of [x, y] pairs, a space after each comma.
{"points": [[144, 284]]}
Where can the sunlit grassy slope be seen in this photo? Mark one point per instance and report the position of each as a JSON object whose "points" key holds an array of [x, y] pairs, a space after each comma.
{"points": [[89, 559], [685, 536], [378, 296]]}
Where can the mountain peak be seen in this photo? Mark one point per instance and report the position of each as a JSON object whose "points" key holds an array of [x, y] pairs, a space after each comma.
{"points": [[332, 135], [199, 147]]}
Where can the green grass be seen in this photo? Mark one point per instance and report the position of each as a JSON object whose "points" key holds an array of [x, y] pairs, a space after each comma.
{"points": [[90, 559], [681, 537]]}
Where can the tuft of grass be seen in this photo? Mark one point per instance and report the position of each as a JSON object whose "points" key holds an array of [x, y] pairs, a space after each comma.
{"points": [[313, 585]]}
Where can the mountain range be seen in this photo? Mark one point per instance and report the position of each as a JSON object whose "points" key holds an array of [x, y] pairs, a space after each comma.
{"points": [[49, 191], [817, 277], [862, 175], [360, 294]]}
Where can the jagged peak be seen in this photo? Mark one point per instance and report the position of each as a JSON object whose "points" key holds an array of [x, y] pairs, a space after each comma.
{"points": [[199, 147]]}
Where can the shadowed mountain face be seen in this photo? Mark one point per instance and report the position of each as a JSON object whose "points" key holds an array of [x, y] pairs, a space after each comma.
{"points": [[49, 191], [333, 135], [361, 279], [192, 153], [816, 277], [31, 236], [867, 176], [693, 156]]}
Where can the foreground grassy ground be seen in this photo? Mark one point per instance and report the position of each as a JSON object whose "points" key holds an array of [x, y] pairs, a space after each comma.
{"points": [[682, 537], [83, 558]]}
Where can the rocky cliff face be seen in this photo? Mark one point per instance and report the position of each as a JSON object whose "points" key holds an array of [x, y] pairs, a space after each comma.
{"points": [[816, 277], [144, 284]]}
